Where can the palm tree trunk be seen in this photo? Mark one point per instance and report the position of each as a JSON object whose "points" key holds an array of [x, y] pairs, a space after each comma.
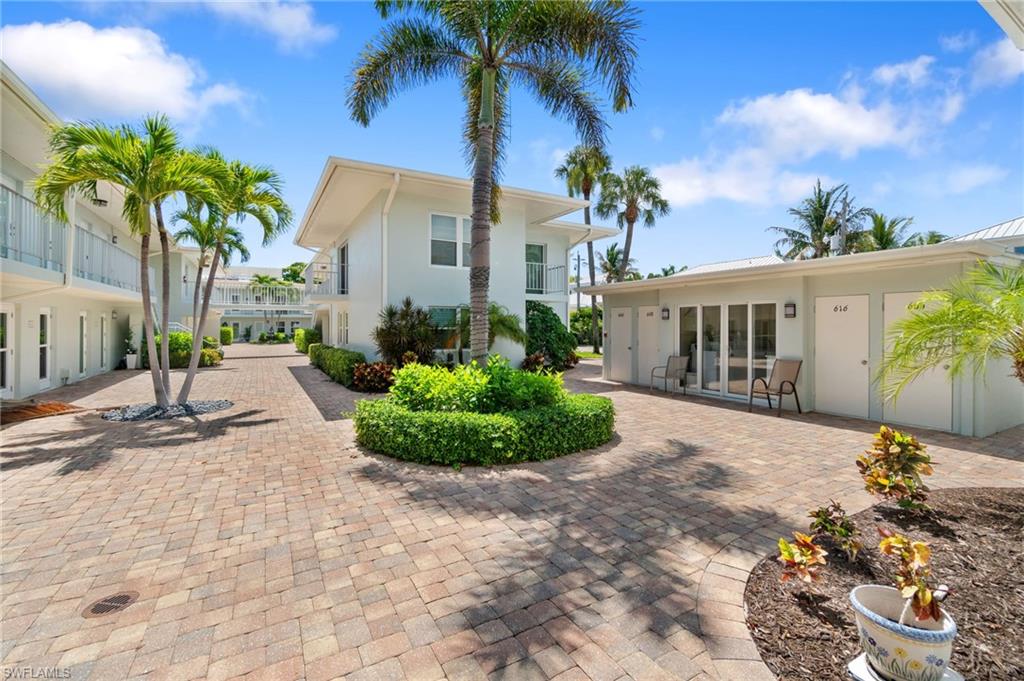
{"points": [[159, 392], [624, 266], [195, 293], [197, 337], [480, 249], [595, 334], [165, 299]]}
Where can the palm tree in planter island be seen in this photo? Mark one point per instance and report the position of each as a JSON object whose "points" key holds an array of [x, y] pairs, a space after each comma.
{"points": [[634, 196], [552, 49]]}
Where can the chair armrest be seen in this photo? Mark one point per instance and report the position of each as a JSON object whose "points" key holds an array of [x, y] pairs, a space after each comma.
{"points": [[792, 387], [753, 384]]}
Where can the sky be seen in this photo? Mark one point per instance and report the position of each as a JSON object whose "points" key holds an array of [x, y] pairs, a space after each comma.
{"points": [[739, 107]]}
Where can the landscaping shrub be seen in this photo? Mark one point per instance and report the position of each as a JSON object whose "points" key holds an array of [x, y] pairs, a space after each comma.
{"points": [[402, 330], [227, 336], [262, 338], [338, 363], [303, 338], [893, 467], [579, 324], [375, 377], [209, 357], [210, 342], [534, 362], [547, 335], [179, 346], [280, 337], [509, 389], [574, 423]]}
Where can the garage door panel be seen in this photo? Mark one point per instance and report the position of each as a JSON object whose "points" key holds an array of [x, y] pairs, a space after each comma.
{"points": [[842, 355]]}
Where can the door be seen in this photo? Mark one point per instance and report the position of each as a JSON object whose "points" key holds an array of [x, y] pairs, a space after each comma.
{"points": [[842, 371], [621, 341], [7, 331], [737, 365], [928, 400], [648, 353], [83, 343], [711, 348], [104, 341], [536, 257], [45, 361]]}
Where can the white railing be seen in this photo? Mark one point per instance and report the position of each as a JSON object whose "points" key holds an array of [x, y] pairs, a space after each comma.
{"points": [[99, 260], [249, 295], [321, 281], [542, 278], [28, 235]]}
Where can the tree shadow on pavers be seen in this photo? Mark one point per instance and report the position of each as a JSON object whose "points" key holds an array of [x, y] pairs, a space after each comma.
{"points": [[93, 441], [574, 543], [334, 401]]}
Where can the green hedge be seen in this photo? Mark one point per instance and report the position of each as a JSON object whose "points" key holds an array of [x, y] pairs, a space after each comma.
{"points": [[575, 423], [338, 363], [179, 346], [304, 338], [227, 336]]}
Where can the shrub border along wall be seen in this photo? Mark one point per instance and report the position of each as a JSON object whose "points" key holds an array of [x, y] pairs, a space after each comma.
{"points": [[305, 337], [338, 363], [573, 424]]}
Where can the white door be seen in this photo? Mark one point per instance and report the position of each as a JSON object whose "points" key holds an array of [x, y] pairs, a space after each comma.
{"points": [[45, 360], [648, 353], [928, 401], [842, 370], [7, 332], [83, 343], [621, 342]]}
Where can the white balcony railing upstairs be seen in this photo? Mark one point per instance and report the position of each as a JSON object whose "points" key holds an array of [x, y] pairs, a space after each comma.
{"points": [[249, 295], [542, 278], [97, 259], [28, 235], [324, 279]]}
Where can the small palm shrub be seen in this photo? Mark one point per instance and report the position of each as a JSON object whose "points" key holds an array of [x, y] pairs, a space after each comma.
{"points": [[403, 329], [227, 335], [833, 521], [303, 337], [375, 377], [802, 559], [893, 467], [338, 363], [546, 334]]}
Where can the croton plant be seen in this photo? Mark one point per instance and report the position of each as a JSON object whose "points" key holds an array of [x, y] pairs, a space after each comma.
{"points": [[833, 521], [802, 559], [912, 577], [893, 467]]}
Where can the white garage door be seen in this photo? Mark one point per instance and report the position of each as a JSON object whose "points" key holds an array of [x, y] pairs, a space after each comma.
{"points": [[621, 344], [842, 372], [928, 401], [647, 343]]}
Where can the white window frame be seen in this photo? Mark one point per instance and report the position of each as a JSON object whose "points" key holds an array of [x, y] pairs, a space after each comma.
{"points": [[45, 381], [104, 341], [83, 343], [7, 380], [459, 239], [342, 327]]}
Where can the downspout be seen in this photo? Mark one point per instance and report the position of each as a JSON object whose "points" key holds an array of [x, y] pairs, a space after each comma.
{"points": [[69, 260], [385, 212]]}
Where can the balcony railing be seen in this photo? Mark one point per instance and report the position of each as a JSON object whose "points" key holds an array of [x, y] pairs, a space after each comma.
{"points": [[243, 295], [28, 235], [99, 260], [542, 278], [321, 281]]}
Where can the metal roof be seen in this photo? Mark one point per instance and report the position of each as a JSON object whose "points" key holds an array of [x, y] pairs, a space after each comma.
{"points": [[740, 264], [1003, 230]]}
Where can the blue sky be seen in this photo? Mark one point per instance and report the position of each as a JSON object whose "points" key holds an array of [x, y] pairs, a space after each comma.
{"points": [[739, 107]]}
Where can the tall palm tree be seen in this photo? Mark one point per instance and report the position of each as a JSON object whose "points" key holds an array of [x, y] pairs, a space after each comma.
{"points": [[980, 317], [582, 171], [553, 49], [613, 264], [244, 191], [885, 233], [200, 231], [817, 219], [150, 168], [634, 196]]}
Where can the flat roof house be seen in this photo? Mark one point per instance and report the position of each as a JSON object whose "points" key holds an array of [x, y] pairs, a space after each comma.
{"points": [[382, 233], [734, 319]]}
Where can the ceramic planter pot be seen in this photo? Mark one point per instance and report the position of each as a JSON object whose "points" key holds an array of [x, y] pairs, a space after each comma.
{"points": [[896, 651], [129, 361]]}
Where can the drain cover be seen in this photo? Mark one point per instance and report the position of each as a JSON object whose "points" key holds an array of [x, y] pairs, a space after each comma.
{"points": [[111, 604]]}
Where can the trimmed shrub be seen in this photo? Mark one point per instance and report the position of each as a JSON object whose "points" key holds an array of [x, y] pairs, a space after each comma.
{"points": [[227, 335], [580, 321], [375, 377], [210, 342], [209, 357], [313, 351], [547, 334], [338, 363], [280, 337], [509, 389], [262, 338], [303, 338], [179, 346], [574, 423]]}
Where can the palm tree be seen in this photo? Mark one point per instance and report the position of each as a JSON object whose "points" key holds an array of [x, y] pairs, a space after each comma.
{"points": [[244, 191], [926, 238], [634, 196], [201, 232], [150, 168], [666, 272], [552, 49], [885, 233], [980, 317], [582, 171], [611, 263], [501, 324], [817, 219]]}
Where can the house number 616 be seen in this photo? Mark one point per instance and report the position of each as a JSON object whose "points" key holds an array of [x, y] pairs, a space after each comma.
{"points": [[840, 308]]}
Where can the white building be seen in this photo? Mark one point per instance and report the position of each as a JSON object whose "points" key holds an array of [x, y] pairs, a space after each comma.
{"points": [[383, 233], [733, 319]]}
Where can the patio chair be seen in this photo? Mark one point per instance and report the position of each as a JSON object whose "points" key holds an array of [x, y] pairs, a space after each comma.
{"points": [[781, 382], [675, 369]]}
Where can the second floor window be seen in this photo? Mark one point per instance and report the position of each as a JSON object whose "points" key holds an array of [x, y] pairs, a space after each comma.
{"points": [[449, 240]]}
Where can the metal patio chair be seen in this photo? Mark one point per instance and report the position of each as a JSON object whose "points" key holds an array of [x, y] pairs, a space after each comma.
{"points": [[675, 369], [781, 382]]}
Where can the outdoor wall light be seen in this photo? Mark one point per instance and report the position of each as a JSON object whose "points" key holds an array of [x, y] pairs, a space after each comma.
{"points": [[665, 314], [113, 315], [789, 310]]}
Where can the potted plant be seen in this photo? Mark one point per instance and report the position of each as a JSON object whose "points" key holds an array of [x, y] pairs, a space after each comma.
{"points": [[130, 353], [904, 631]]}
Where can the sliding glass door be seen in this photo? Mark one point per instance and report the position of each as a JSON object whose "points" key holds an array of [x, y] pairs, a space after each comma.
{"points": [[688, 342], [737, 331], [711, 355], [764, 325]]}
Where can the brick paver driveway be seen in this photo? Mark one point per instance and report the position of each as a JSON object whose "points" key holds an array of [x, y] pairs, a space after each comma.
{"points": [[262, 542]]}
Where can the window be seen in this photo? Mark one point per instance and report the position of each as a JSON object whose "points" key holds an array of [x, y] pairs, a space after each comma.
{"points": [[343, 328], [343, 270], [82, 342], [450, 240], [446, 319], [44, 347], [280, 326]]}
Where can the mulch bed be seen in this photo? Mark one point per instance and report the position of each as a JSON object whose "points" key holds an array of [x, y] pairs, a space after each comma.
{"points": [[38, 410], [977, 542]]}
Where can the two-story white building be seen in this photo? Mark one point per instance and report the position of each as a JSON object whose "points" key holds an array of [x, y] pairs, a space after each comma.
{"points": [[382, 233]]}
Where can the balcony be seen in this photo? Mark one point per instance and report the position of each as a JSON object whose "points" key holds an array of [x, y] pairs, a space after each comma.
{"points": [[322, 279], [97, 259], [544, 279], [29, 236], [251, 296]]}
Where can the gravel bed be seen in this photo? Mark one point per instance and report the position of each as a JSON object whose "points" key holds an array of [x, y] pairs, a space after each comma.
{"points": [[148, 412]]}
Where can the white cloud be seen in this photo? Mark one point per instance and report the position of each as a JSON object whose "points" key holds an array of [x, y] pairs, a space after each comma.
{"points": [[958, 42], [88, 72], [963, 179], [292, 24], [914, 73], [997, 64], [657, 133], [952, 105]]}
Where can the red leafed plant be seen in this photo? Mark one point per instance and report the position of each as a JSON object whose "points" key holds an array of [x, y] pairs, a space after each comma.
{"points": [[893, 467], [912, 576], [801, 559], [375, 377]]}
